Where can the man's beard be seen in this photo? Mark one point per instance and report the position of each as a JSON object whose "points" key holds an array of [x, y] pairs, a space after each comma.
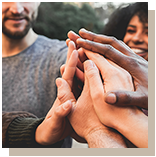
{"points": [[18, 34]]}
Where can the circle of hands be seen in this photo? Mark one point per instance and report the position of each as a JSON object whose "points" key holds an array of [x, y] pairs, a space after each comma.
{"points": [[101, 94]]}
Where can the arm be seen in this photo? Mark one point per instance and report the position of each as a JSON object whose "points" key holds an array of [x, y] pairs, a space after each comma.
{"points": [[19, 130], [107, 138], [86, 123], [135, 128], [7, 119], [129, 121], [82, 116], [56, 122], [54, 128]]}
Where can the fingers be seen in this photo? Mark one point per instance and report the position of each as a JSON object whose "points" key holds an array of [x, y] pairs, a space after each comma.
{"points": [[62, 111], [127, 98], [62, 68], [96, 88], [105, 50], [103, 65], [106, 40], [67, 42], [82, 55], [70, 68], [64, 91], [110, 47], [63, 94], [71, 48], [94, 81], [79, 74], [73, 36]]}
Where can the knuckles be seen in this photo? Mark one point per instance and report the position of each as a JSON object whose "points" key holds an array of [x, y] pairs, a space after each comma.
{"points": [[113, 40]]}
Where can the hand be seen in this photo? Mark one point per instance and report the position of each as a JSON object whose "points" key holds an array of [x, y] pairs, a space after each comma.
{"points": [[122, 55], [86, 123], [122, 122], [114, 77], [129, 121], [77, 76], [83, 106], [83, 117], [56, 126]]}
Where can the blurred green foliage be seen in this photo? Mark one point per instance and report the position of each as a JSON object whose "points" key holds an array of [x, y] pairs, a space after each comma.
{"points": [[55, 19]]}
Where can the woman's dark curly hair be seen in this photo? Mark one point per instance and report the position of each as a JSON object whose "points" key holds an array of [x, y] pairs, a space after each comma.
{"points": [[120, 18]]}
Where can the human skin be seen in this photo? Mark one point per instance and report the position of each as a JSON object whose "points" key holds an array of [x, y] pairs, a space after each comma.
{"points": [[122, 55], [114, 77], [129, 121], [82, 117], [136, 37], [139, 120], [85, 122], [56, 122], [16, 21]]}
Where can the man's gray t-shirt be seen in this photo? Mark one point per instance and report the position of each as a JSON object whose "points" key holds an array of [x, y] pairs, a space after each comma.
{"points": [[28, 78]]}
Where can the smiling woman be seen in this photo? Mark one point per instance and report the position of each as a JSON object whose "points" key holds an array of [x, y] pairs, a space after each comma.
{"points": [[137, 37], [130, 24]]}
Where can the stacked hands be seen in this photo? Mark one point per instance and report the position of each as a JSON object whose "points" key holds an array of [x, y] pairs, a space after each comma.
{"points": [[101, 94]]}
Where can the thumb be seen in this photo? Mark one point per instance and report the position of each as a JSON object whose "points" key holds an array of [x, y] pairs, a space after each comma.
{"points": [[62, 111], [64, 91], [95, 83], [127, 98]]}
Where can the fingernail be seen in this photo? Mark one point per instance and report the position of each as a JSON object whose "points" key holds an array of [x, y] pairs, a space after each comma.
{"points": [[73, 32], [67, 105], [58, 82], [89, 65], [71, 43], [110, 98], [83, 29], [80, 39]]}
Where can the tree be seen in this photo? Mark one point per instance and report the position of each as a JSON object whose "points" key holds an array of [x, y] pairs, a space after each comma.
{"points": [[55, 19]]}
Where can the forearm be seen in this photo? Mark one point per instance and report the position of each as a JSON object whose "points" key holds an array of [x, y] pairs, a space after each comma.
{"points": [[106, 138], [7, 119], [21, 134], [135, 129]]}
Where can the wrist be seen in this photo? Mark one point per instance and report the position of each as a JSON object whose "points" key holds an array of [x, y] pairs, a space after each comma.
{"points": [[21, 132], [135, 126], [127, 117], [37, 137], [40, 135], [93, 138], [105, 138]]}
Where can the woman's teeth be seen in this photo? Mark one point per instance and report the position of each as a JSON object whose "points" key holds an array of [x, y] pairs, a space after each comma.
{"points": [[137, 51]]}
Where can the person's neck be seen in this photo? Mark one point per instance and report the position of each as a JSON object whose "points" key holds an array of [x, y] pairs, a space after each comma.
{"points": [[11, 47]]}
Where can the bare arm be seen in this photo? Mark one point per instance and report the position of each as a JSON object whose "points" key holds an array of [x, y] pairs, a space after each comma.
{"points": [[107, 138], [83, 117], [129, 121]]}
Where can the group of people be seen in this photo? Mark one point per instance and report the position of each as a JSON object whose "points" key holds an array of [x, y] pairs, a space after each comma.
{"points": [[91, 87]]}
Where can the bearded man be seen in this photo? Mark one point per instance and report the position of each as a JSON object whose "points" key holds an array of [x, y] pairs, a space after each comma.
{"points": [[30, 62]]}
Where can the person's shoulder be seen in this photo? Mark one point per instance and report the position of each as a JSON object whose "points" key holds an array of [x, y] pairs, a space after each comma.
{"points": [[50, 49], [47, 42]]}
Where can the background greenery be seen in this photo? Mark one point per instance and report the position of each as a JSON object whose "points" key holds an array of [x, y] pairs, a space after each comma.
{"points": [[55, 19]]}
